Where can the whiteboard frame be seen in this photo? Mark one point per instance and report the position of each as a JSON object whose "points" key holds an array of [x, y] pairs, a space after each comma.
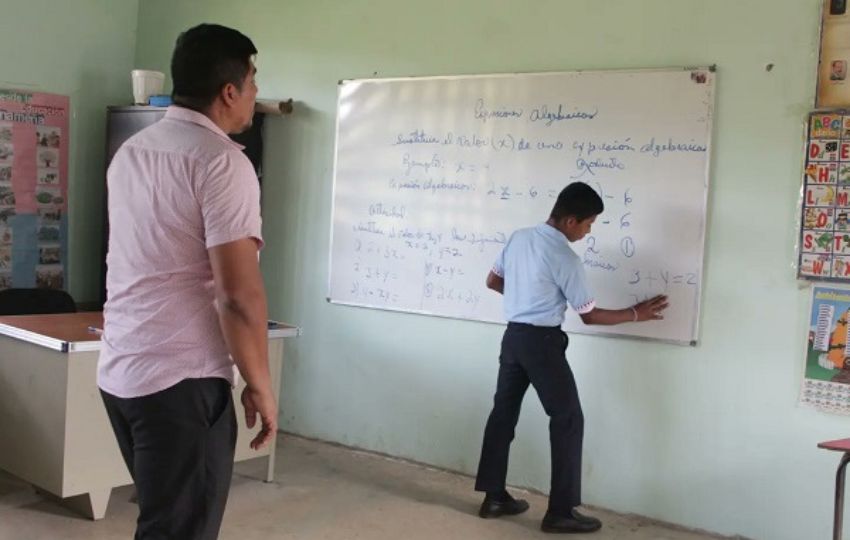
{"points": [[703, 220]]}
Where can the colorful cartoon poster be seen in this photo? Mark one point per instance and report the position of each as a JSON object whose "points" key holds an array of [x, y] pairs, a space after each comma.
{"points": [[33, 189], [826, 382], [824, 240]]}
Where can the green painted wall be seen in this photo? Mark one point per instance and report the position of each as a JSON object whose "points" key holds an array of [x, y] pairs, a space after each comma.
{"points": [[707, 437], [83, 49]]}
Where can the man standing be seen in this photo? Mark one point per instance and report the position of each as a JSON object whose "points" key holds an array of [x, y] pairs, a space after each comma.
{"points": [[539, 274], [185, 293]]}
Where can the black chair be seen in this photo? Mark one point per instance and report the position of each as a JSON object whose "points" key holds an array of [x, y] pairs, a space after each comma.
{"points": [[35, 301]]}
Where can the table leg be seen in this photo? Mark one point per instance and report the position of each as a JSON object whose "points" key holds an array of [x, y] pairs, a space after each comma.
{"points": [[92, 504], [839, 497], [276, 367], [270, 464]]}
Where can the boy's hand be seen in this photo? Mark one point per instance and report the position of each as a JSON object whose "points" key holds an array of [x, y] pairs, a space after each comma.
{"points": [[650, 310]]}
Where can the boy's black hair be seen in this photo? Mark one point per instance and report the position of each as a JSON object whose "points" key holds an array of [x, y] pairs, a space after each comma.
{"points": [[579, 200], [206, 58]]}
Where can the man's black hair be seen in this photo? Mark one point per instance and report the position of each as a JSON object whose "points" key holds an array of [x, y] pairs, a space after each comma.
{"points": [[579, 200], [206, 58]]}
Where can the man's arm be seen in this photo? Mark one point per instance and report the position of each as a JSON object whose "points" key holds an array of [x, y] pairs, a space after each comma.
{"points": [[496, 282], [647, 310], [243, 317]]}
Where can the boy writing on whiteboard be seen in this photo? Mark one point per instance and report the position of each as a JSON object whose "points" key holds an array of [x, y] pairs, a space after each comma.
{"points": [[539, 274]]}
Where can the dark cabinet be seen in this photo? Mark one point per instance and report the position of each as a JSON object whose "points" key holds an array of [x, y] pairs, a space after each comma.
{"points": [[123, 122]]}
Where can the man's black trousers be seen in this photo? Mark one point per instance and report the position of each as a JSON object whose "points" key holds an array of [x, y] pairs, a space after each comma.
{"points": [[178, 445]]}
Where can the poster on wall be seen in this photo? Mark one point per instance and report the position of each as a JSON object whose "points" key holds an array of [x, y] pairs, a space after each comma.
{"points": [[826, 382], [834, 66], [33, 189], [824, 241]]}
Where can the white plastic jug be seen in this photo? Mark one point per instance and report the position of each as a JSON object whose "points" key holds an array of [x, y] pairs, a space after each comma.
{"points": [[146, 84]]}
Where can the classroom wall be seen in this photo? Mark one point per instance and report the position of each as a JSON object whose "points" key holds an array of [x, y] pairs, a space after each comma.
{"points": [[708, 437], [83, 49]]}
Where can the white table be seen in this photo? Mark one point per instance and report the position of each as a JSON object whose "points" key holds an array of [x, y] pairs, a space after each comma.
{"points": [[54, 432]]}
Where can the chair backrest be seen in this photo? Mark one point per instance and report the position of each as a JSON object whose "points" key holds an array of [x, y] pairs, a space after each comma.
{"points": [[35, 301]]}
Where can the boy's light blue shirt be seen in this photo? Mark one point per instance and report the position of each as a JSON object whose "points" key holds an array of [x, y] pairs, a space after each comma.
{"points": [[542, 274]]}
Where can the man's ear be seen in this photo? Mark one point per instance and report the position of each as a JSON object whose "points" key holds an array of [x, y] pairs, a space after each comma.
{"points": [[229, 93], [569, 221]]}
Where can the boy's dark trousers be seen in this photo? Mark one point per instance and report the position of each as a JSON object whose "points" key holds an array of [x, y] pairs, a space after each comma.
{"points": [[178, 445], [536, 355]]}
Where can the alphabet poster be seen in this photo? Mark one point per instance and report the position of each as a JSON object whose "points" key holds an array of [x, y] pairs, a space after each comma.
{"points": [[33, 189], [825, 221], [826, 384]]}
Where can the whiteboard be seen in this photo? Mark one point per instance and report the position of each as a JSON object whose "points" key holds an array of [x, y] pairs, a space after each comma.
{"points": [[433, 174]]}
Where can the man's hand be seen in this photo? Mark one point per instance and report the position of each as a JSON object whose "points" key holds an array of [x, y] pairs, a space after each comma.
{"points": [[650, 310], [264, 404]]}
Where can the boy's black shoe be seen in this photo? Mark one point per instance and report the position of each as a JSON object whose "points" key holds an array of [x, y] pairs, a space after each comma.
{"points": [[501, 505], [572, 523]]}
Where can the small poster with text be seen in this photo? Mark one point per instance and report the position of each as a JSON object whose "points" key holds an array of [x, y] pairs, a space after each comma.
{"points": [[826, 382]]}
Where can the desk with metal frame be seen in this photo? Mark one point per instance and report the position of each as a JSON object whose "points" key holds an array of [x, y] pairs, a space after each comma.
{"points": [[56, 434]]}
